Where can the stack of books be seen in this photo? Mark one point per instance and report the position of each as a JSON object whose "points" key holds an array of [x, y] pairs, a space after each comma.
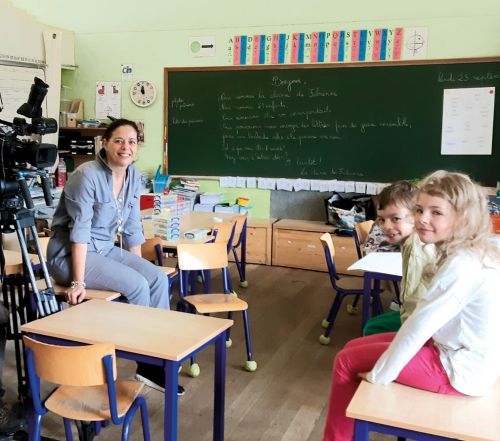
{"points": [[166, 227], [203, 207], [210, 198], [190, 184], [170, 205], [185, 195], [208, 202], [227, 208]]}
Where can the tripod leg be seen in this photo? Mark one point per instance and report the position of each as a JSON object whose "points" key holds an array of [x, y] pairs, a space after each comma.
{"points": [[52, 301], [46, 303]]}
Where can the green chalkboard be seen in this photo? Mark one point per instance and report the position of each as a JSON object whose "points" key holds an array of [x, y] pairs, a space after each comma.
{"points": [[364, 122]]}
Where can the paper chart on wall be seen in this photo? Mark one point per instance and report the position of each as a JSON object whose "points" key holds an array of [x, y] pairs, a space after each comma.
{"points": [[468, 121], [107, 99]]}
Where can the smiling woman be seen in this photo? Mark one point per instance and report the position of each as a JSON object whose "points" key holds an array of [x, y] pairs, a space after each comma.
{"points": [[99, 203]]}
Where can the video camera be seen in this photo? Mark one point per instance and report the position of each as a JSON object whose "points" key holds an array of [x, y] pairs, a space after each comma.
{"points": [[20, 159]]}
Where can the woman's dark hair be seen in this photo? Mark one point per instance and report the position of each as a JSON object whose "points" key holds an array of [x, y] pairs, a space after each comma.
{"points": [[116, 124]]}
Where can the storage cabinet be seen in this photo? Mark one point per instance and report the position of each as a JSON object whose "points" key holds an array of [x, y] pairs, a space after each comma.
{"points": [[259, 240], [296, 244]]}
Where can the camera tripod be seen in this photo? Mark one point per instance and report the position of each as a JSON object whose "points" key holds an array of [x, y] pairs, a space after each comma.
{"points": [[21, 294], [26, 302]]}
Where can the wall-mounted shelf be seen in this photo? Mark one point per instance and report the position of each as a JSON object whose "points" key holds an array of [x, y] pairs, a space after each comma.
{"points": [[82, 131]]}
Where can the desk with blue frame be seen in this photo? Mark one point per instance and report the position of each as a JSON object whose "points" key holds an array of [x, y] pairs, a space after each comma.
{"points": [[155, 336]]}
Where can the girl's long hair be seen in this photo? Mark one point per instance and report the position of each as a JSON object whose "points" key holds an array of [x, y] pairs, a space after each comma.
{"points": [[472, 231]]}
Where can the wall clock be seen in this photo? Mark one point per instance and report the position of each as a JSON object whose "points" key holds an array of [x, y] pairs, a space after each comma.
{"points": [[143, 93]]}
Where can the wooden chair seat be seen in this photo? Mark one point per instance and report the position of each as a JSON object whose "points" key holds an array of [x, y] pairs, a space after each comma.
{"points": [[169, 271], [60, 290], [207, 257], [87, 387], [210, 303], [406, 408], [91, 403]]}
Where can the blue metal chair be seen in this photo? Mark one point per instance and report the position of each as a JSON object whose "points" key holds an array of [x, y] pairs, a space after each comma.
{"points": [[87, 391], [206, 257], [152, 250], [340, 292], [361, 231], [239, 242]]}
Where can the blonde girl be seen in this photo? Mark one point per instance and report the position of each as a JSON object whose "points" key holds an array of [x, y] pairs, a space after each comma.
{"points": [[449, 344]]}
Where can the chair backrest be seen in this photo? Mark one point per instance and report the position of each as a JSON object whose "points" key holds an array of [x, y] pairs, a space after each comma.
{"points": [[202, 256], [326, 240], [362, 230], [10, 242], [224, 233], [71, 365], [152, 250], [240, 223], [44, 243], [329, 248]]}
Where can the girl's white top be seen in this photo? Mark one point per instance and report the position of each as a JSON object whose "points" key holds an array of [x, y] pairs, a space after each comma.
{"points": [[461, 312]]}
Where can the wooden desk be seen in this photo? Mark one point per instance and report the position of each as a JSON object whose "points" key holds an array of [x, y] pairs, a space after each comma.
{"points": [[424, 415], [155, 336], [377, 267], [258, 241]]}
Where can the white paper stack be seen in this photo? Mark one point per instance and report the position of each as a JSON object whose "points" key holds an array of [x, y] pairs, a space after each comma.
{"points": [[210, 198], [204, 207], [227, 209]]}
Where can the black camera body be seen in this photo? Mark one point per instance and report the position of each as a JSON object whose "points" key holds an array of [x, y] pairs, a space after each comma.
{"points": [[21, 158]]}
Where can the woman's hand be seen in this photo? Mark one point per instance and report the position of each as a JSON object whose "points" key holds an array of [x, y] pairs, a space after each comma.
{"points": [[75, 295]]}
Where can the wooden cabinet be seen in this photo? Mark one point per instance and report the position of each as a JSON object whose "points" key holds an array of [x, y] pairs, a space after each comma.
{"points": [[296, 244], [259, 240]]}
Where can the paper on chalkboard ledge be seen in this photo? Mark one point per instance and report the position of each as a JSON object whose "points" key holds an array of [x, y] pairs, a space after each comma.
{"points": [[315, 185], [266, 183], [302, 184], [339, 186], [227, 181], [284, 184], [371, 188], [251, 182], [360, 187], [350, 187]]}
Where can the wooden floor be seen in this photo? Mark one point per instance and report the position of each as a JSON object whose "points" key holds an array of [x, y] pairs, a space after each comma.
{"points": [[286, 398]]}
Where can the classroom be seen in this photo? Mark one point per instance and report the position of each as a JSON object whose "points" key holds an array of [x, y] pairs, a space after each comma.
{"points": [[189, 61]]}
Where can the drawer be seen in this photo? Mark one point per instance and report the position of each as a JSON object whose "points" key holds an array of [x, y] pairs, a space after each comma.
{"points": [[303, 249], [298, 249]]}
